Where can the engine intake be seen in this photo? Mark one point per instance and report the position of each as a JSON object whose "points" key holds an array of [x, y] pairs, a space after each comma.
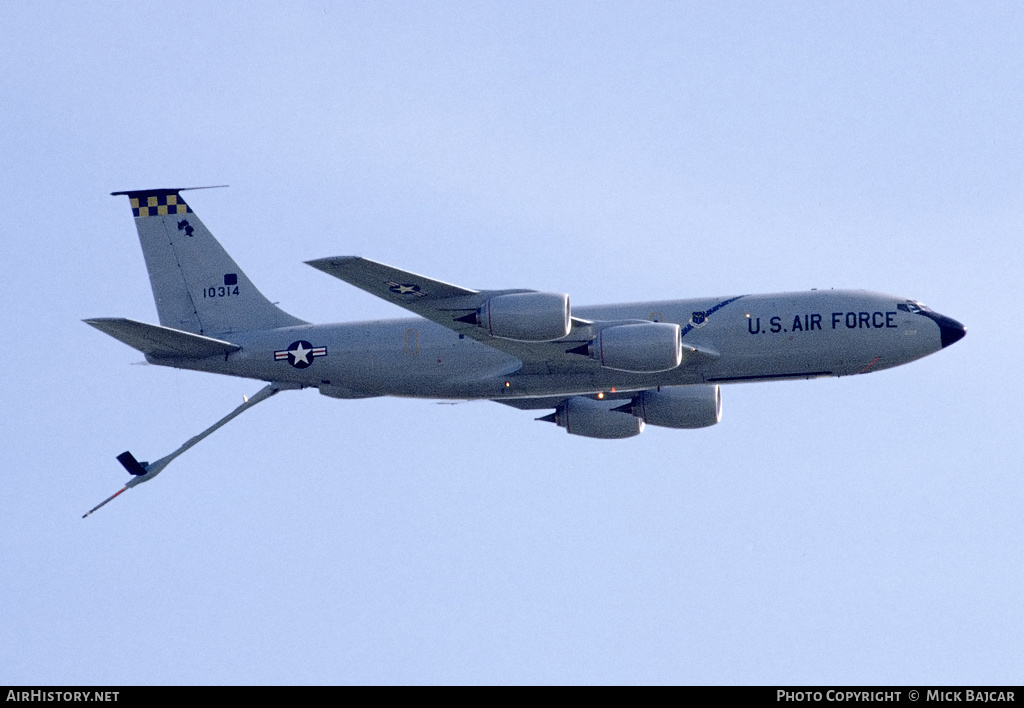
{"points": [[641, 348], [525, 317], [678, 407], [595, 419]]}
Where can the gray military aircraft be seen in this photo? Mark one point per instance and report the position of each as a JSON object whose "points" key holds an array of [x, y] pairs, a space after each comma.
{"points": [[606, 370]]}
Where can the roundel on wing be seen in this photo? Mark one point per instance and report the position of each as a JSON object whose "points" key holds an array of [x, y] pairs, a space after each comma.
{"points": [[405, 289]]}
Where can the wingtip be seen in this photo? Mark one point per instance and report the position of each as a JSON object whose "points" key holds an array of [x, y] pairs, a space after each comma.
{"points": [[98, 322], [323, 263]]}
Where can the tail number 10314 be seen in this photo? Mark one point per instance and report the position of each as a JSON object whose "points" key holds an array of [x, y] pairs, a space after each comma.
{"points": [[220, 291]]}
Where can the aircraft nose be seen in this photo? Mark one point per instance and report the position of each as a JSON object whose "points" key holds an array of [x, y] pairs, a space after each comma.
{"points": [[951, 330]]}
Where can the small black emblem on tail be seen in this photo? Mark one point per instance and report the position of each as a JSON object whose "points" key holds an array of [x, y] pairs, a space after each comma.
{"points": [[183, 225]]}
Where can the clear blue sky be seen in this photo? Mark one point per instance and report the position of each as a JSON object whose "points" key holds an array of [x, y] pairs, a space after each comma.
{"points": [[859, 530]]}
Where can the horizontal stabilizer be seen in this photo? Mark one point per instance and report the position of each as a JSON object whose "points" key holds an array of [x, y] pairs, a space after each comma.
{"points": [[162, 342]]}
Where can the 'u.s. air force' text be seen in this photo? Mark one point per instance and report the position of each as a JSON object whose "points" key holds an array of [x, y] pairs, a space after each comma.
{"points": [[813, 321]]}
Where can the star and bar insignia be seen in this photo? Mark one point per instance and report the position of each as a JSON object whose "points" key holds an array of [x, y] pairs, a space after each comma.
{"points": [[405, 289], [300, 354]]}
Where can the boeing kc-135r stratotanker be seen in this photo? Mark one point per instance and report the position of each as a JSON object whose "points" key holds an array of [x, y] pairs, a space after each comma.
{"points": [[605, 370]]}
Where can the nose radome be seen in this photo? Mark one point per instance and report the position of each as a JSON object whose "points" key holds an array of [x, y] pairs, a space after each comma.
{"points": [[952, 331]]}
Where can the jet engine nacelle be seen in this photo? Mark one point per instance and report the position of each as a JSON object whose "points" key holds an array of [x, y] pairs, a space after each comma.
{"points": [[595, 419], [527, 317], [642, 348], [678, 406]]}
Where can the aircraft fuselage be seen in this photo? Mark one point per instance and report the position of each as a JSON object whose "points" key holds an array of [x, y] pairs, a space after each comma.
{"points": [[756, 338]]}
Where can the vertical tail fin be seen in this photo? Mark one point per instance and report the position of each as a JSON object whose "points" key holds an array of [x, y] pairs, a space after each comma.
{"points": [[198, 287]]}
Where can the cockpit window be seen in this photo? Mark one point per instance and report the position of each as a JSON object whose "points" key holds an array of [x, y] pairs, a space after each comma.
{"points": [[910, 306]]}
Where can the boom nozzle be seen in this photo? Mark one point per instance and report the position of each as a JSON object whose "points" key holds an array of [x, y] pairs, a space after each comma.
{"points": [[105, 501]]}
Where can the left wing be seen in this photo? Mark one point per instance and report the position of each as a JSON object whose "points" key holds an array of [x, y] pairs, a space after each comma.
{"points": [[460, 309], [409, 290], [455, 307]]}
